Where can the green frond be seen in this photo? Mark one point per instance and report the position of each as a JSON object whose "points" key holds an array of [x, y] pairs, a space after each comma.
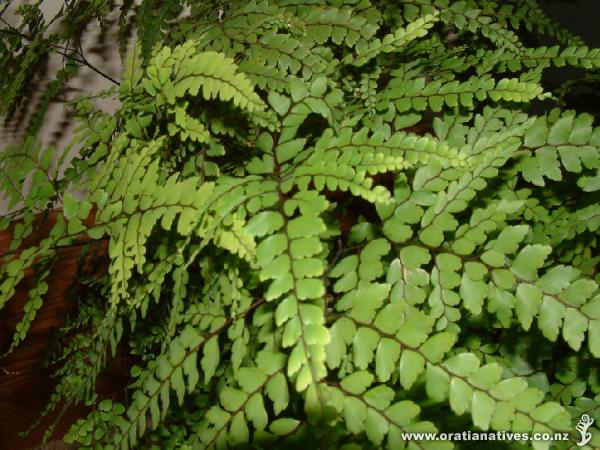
{"points": [[34, 302], [531, 15], [467, 17], [152, 21], [173, 74], [394, 41], [561, 145], [418, 95], [338, 24], [311, 224]]}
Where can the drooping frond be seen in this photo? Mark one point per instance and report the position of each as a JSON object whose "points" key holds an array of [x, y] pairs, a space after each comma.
{"points": [[314, 224]]}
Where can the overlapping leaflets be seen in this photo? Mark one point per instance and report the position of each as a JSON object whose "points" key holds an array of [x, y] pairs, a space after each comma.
{"points": [[326, 224]]}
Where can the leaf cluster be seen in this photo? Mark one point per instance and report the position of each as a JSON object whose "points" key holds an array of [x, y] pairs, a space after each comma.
{"points": [[326, 224]]}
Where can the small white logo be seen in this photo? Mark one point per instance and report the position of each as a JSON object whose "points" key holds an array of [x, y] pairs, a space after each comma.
{"points": [[584, 423]]}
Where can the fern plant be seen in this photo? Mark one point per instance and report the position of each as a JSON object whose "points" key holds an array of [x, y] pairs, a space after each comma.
{"points": [[326, 224]]}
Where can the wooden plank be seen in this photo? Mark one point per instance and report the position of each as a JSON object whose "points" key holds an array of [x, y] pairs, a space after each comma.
{"points": [[25, 382]]}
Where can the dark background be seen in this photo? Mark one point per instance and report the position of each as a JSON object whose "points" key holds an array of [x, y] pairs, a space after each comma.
{"points": [[581, 17]]}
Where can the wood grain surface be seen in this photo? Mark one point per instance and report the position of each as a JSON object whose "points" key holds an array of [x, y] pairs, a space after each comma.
{"points": [[25, 382]]}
